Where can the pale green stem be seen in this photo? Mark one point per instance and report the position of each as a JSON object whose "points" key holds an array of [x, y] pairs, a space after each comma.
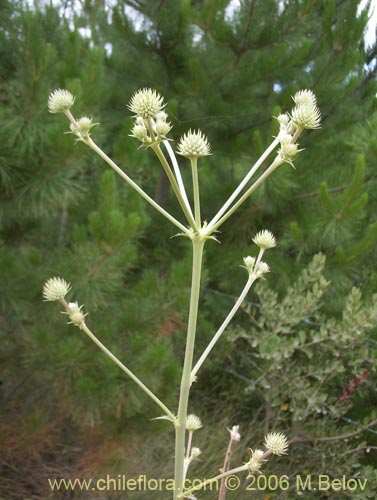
{"points": [[187, 457], [195, 185], [237, 191], [180, 425], [128, 372], [247, 193], [237, 305], [177, 173], [201, 485], [89, 142], [160, 155]]}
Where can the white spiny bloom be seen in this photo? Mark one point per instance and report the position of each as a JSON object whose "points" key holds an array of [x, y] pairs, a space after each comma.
{"points": [[163, 127], [306, 115], [305, 97], [277, 443], [283, 120], [55, 289], [265, 239], [193, 423], [162, 116], [146, 103], [195, 453], [139, 132], [263, 268], [194, 144], [285, 138], [235, 433], [60, 100], [249, 263], [288, 151], [83, 127], [75, 314], [256, 460]]}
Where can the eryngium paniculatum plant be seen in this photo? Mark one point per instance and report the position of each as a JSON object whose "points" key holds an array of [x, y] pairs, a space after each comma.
{"points": [[151, 128]]}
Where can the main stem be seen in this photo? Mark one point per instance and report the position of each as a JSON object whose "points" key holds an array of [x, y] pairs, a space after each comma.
{"points": [[180, 426]]}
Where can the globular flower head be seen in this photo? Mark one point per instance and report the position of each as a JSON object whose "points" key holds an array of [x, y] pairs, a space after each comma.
{"points": [[194, 144], [277, 443], [75, 314], [306, 115], [288, 151], [163, 127], [84, 124], [139, 131], [146, 103], [193, 423], [304, 97], [256, 460], [55, 289], [265, 239], [60, 100]]}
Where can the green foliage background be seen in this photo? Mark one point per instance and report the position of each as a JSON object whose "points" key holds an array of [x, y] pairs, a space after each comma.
{"points": [[300, 345]]}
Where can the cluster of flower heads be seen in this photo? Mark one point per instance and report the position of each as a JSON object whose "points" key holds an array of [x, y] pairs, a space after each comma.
{"points": [[275, 443], [151, 123], [264, 240], [305, 115], [55, 289]]}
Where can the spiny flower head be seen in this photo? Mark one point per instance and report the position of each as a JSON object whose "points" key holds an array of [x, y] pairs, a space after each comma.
{"points": [[256, 460], [146, 103], [194, 144], [263, 268], [139, 131], [193, 423], [305, 97], [288, 151], [75, 314], [55, 289], [82, 129], [265, 239], [283, 120], [306, 115], [163, 127], [277, 443], [60, 100]]}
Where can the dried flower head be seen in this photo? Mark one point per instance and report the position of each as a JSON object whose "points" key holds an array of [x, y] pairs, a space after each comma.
{"points": [[194, 144], [265, 239], [146, 103], [306, 115], [75, 314], [55, 289], [60, 100], [193, 423], [304, 97], [235, 433], [277, 443]]}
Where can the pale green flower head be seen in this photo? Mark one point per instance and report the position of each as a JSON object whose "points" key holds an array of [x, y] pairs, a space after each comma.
{"points": [[75, 314], [265, 239], [256, 460], [146, 103], [263, 268], [60, 100], [193, 423], [55, 289], [194, 144], [276, 443], [306, 115]]}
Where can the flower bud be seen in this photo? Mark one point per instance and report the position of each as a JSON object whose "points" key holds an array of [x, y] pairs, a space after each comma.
{"points": [[162, 128], [139, 132], [75, 314]]}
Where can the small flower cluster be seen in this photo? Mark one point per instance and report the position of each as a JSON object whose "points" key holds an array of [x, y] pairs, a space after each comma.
{"points": [[151, 125], [305, 114], [264, 240], [275, 443], [55, 289]]}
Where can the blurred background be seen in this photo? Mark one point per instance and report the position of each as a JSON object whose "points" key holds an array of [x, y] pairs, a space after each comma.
{"points": [[301, 355]]}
